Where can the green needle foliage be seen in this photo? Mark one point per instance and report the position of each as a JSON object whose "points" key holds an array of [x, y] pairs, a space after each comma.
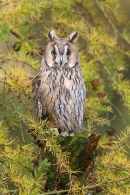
{"points": [[33, 160]]}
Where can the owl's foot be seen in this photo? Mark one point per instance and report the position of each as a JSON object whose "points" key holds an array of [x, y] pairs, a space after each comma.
{"points": [[55, 130], [67, 134], [59, 133]]}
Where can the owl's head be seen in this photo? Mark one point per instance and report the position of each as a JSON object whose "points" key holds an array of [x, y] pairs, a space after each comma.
{"points": [[61, 51]]}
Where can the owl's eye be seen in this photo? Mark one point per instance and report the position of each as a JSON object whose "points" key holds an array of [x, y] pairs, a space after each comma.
{"points": [[68, 52], [53, 53]]}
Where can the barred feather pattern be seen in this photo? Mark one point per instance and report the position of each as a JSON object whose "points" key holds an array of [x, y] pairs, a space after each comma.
{"points": [[59, 94]]}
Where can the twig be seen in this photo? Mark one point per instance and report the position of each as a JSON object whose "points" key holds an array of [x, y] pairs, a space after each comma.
{"points": [[21, 128], [109, 73], [118, 112], [114, 168], [105, 67], [109, 54], [17, 35], [118, 180], [111, 23], [7, 4], [116, 150], [56, 192], [87, 187], [30, 77], [93, 127], [112, 119]]}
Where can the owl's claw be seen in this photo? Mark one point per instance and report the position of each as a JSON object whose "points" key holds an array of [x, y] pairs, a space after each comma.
{"points": [[59, 133], [55, 130], [67, 134]]}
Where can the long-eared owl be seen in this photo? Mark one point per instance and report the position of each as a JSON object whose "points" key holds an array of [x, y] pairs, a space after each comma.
{"points": [[59, 89]]}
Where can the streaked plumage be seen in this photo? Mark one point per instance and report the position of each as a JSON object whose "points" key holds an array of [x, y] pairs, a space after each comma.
{"points": [[59, 90]]}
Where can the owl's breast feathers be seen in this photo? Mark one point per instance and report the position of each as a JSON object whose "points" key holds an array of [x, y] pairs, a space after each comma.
{"points": [[59, 95]]}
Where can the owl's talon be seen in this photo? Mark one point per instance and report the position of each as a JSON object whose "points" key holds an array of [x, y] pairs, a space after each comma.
{"points": [[55, 130]]}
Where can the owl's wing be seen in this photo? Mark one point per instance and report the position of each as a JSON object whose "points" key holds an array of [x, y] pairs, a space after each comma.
{"points": [[36, 82]]}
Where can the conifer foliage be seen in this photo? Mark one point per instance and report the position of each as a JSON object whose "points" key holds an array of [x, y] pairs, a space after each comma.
{"points": [[86, 163]]}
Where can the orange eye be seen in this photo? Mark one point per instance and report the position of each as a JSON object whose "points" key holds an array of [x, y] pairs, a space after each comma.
{"points": [[68, 52], [53, 53]]}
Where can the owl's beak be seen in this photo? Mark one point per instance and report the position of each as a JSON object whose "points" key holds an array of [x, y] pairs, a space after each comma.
{"points": [[61, 60]]}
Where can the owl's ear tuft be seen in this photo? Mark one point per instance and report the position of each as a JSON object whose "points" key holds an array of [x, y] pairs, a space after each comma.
{"points": [[73, 37], [52, 35]]}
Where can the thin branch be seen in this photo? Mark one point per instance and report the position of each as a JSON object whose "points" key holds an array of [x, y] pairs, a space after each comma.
{"points": [[111, 23], [110, 56], [105, 67], [30, 77], [87, 187], [118, 112], [56, 192], [109, 73], [18, 36], [5, 4], [22, 134], [124, 139]]}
